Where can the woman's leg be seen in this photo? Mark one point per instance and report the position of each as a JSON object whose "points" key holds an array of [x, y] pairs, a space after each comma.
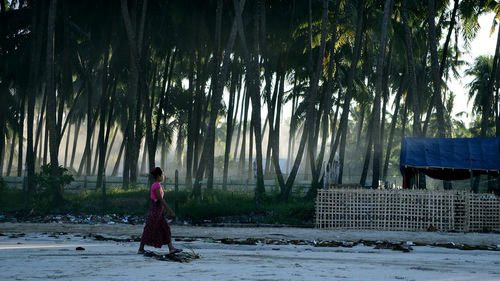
{"points": [[141, 248]]}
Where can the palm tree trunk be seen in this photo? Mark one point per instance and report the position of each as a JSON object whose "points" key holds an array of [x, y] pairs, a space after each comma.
{"points": [[95, 146], [229, 131], [350, 85], [411, 72], [271, 102], [192, 134], [36, 42], [87, 152], [360, 124], [385, 96], [291, 140], [144, 162], [115, 132], [244, 134], [103, 159], [393, 128], [405, 118], [66, 150], [208, 146], [253, 74], [329, 93], [40, 158], [163, 155], [219, 83], [250, 149], [104, 101], [436, 80], [51, 102], [2, 141], [368, 152], [75, 142], [313, 98], [240, 123], [293, 173], [129, 172], [179, 148], [150, 137], [276, 134], [443, 61], [40, 124], [35, 53], [11, 155], [291, 132], [118, 160], [20, 161], [45, 141], [377, 144], [333, 127]]}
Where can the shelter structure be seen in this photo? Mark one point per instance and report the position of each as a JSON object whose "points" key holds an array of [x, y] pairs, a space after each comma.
{"points": [[449, 158]]}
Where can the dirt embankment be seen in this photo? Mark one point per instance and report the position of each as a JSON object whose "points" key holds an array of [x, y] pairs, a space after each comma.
{"points": [[489, 240]]}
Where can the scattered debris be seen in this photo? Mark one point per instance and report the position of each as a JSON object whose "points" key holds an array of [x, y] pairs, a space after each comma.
{"points": [[404, 247], [17, 235], [177, 257], [248, 241], [77, 219], [133, 238]]}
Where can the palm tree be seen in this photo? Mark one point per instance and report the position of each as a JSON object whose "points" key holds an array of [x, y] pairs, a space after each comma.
{"points": [[377, 156], [216, 100], [479, 91], [51, 102], [436, 80], [350, 85], [411, 71]]}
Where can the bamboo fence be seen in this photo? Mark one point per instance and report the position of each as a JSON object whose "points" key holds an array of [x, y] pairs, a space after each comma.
{"points": [[407, 210]]}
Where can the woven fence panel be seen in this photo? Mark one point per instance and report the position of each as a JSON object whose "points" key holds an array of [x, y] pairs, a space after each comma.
{"points": [[484, 212], [406, 210]]}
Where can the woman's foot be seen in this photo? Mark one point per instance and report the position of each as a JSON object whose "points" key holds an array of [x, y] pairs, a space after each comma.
{"points": [[174, 251], [140, 252]]}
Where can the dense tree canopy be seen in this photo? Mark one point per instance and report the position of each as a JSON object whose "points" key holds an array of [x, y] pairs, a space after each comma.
{"points": [[226, 83]]}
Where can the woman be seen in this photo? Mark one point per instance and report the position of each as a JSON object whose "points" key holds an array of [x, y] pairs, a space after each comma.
{"points": [[157, 231]]}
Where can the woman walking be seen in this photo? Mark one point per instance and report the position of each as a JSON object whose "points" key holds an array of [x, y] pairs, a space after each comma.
{"points": [[156, 233]]}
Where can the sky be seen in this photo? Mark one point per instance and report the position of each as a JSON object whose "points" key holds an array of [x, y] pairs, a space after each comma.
{"points": [[483, 44]]}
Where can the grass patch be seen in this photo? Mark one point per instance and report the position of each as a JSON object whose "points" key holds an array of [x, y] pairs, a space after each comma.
{"points": [[215, 206]]}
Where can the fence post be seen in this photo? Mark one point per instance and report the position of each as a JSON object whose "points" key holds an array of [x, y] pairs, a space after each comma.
{"points": [[176, 203]]}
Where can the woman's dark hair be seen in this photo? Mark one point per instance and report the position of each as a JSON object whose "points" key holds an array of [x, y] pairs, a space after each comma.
{"points": [[156, 172]]}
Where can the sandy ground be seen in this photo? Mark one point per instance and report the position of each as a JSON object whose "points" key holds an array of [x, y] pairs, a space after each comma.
{"points": [[127, 230], [41, 255]]}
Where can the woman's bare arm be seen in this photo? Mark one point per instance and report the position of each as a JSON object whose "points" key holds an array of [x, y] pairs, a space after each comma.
{"points": [[158, 195]]}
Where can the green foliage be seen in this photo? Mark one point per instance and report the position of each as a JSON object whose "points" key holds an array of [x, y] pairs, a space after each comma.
{"points": [[2, 190], [214, 206], [49, 189], [44, 179], [133, 201], [11, 199], [294, 212]]}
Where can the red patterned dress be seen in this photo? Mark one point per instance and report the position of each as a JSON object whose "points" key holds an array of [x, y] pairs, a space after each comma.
{"points": [[157, 231]]}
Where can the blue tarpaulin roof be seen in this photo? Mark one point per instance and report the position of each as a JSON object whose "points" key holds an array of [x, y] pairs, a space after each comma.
{"points": [[482, 154]]}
